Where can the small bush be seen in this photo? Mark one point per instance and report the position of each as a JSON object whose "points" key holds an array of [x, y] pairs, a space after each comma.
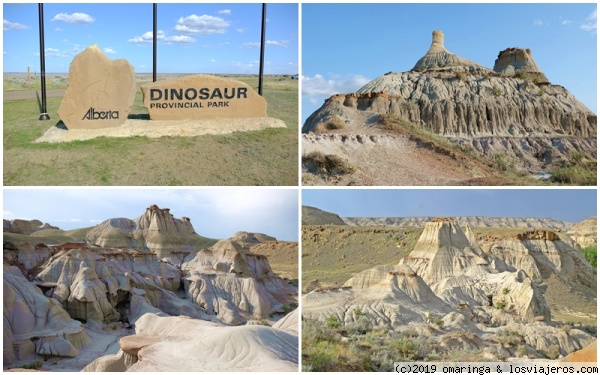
{"points": [[460, 75], [505, 291], [553, 352], [333, 123], [590, 255], [497, 91], [435, 319], [500, 305], [317, 162], [332, 322], [521, 74], [358, 312], [521, 351], [509, 338], [541, 91]]}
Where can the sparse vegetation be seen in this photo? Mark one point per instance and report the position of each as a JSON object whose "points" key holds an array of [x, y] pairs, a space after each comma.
{"points": [[319, 163], [497, 91], [521, 74], [509, 338], [33, 365], [333, 123], [460, 75], [541, 91], [505, 290], [501, 305]]}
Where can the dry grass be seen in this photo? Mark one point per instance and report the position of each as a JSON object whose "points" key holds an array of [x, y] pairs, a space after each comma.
{"points": [[332, 124], [319, 163]]}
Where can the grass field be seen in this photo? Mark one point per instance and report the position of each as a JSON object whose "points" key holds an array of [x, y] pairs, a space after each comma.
{"points": [[268, 157]]}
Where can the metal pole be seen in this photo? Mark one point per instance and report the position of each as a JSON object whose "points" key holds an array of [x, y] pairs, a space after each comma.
{"points": [[262, 49], [154, 30], [43, 115]]}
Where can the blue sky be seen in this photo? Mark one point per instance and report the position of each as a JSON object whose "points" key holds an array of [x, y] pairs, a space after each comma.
{"points": [[345, 46], [193, 38], [572, 205], [214, 213]]}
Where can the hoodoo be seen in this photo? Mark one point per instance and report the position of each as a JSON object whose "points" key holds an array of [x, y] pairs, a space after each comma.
{"points": [[439, 57]]}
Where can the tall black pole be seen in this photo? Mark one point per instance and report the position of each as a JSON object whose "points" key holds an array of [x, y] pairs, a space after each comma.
{"points": [[155, 26], [43, 115], [262, 49]]}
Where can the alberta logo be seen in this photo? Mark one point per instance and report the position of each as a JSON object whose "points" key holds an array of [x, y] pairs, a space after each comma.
{"points": [[91, 114]]}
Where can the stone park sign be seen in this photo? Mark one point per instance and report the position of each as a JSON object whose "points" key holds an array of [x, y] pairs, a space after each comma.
{"points": [[100, 92], [202, 97]]}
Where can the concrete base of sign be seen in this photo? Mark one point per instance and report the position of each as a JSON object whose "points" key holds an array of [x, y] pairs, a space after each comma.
{"points": [[156, 129]]}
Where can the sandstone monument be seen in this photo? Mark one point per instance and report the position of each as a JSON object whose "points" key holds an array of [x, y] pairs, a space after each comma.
{"points": [[153, 281], [202, 97], [100, 92], [511, 111]]}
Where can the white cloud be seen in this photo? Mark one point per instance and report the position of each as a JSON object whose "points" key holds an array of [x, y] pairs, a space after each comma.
{"points": [[109, 50], [62, 53], [201, 25], [13, 26], [225, 11], [213, 60], [76, 18], [179, 39], [538, 22], [591, 24], [566, 22], [57, 29], [147, 37], [276, 43], [320, 86], [241, 30]]}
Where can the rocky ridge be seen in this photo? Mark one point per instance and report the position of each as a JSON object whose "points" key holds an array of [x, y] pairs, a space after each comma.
{"points": [[474, 221], [510, 110]]}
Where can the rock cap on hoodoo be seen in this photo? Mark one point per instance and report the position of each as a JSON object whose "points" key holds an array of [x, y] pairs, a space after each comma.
{"points": [[513, 59], [439, 57]]}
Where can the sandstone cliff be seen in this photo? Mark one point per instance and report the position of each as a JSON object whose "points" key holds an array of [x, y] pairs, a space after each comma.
{"points": [[25, 226], [585, 233]]}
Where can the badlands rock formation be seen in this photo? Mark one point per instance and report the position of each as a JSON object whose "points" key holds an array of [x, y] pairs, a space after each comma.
{"points": [[450, 280], [585, 233], [55, 296], [315, 216], [181, 344], [474, 221], [25, 226], [511, 111]]}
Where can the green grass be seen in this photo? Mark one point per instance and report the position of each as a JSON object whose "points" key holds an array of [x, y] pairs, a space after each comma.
{"points": [[268, 157], [580, 174]]}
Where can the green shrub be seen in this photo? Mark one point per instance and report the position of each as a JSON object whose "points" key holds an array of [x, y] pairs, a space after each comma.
{"points": [[521, 74], [358, 312], [500, 305], [590, 255], [583, 174], [497, 91], [505, 291], [509, 338], [332, 322]]}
